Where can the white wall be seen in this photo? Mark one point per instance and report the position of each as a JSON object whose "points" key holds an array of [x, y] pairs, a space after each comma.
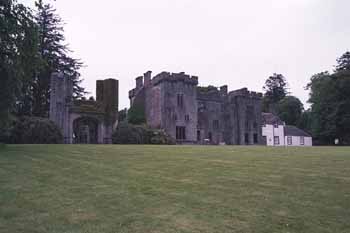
{"points": [[296, 141], [270, 132]]}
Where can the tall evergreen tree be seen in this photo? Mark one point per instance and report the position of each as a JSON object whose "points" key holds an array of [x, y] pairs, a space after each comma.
{"points": [[18, 53], [55, 55]]}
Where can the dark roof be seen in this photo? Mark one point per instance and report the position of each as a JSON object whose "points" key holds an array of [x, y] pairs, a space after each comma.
{"points": [[290, 130], [271, 119]]}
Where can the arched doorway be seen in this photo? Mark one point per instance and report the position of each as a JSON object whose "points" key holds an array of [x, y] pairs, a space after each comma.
{"points": [[85, 130]]}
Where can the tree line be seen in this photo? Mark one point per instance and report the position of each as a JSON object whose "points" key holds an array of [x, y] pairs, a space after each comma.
{"points": [[328, 117], [32, 47]]}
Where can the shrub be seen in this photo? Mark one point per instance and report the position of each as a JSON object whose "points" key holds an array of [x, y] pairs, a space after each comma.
{"points": [[33, 130], [139, 134]]}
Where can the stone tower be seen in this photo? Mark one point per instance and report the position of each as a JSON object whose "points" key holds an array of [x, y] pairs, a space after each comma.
{"points": [[60, 102]]}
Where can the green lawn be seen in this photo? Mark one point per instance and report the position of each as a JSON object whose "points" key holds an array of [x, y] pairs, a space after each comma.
{"points": [[88, 189]]}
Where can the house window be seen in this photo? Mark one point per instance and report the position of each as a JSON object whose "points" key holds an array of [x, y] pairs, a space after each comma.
{"points": [[180, 100], [216, 124], [290, 140], [302, 141], [276, 140], [255, 138], [187, 118], [180, 133]]}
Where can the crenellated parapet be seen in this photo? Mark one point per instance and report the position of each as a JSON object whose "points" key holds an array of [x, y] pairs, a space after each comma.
{"points": [[244, 92], [175, 77]]}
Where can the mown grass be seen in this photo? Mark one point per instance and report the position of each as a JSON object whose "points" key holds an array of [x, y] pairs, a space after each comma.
{"points": [[76, 188]]}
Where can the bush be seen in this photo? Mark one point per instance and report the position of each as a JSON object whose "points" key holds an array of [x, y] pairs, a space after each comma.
{"points": [[33, 130], [139, 134]]}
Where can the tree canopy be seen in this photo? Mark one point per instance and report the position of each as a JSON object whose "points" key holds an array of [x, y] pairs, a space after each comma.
{"points": [[275, 90], [290, 110], [18, 46], [330, 103]]}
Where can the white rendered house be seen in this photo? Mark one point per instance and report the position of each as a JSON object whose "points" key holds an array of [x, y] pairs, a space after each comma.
{"points": [[276, 133]]}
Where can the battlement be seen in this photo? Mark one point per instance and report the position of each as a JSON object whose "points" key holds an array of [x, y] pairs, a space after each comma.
{"points": [[174, 77], [244, 92], [146, 80]]}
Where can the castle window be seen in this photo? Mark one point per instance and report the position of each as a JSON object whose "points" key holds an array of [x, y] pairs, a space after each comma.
{"points": [[210, 136], [216, 124], [255, 138], [187, 118], [198, 135], [246, 138], [180, 133], [180, 100]]}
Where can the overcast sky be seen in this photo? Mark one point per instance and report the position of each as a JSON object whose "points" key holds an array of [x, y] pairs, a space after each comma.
{"points": [[234, 42]]}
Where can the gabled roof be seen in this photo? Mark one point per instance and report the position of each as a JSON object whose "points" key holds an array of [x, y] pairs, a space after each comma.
{"points": [[290, 130], [271, 119]]}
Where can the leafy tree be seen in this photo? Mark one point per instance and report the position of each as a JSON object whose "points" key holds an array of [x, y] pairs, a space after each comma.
{"points": [[290, 110], [323, 100], [55, 56], [18, 50], [330, 103], [275, 90], [343, 62], [305, 121]]}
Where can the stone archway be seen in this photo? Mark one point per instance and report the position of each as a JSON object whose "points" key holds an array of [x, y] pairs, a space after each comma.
{"points": [[85, 130]]}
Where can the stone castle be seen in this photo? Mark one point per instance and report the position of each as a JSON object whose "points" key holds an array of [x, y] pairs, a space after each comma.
{"points": [[170, 101], [201, 115], [84, 121]]}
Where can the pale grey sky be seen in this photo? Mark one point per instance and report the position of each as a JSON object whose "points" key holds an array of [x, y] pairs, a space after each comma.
{"points": [[234, 42]]}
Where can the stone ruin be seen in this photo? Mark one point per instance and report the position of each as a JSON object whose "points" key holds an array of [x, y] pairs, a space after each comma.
{"points": [[84, 121]]}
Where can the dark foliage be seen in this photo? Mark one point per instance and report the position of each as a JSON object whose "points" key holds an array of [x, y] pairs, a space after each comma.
{"points": [[139, 134], [290, 109], [136, 114], [330, 103], [275, 90], [34, 130], [18, 47], [122, 115]]}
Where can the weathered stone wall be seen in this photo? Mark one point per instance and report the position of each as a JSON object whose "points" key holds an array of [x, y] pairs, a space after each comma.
{"points": [[174, 115]]}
